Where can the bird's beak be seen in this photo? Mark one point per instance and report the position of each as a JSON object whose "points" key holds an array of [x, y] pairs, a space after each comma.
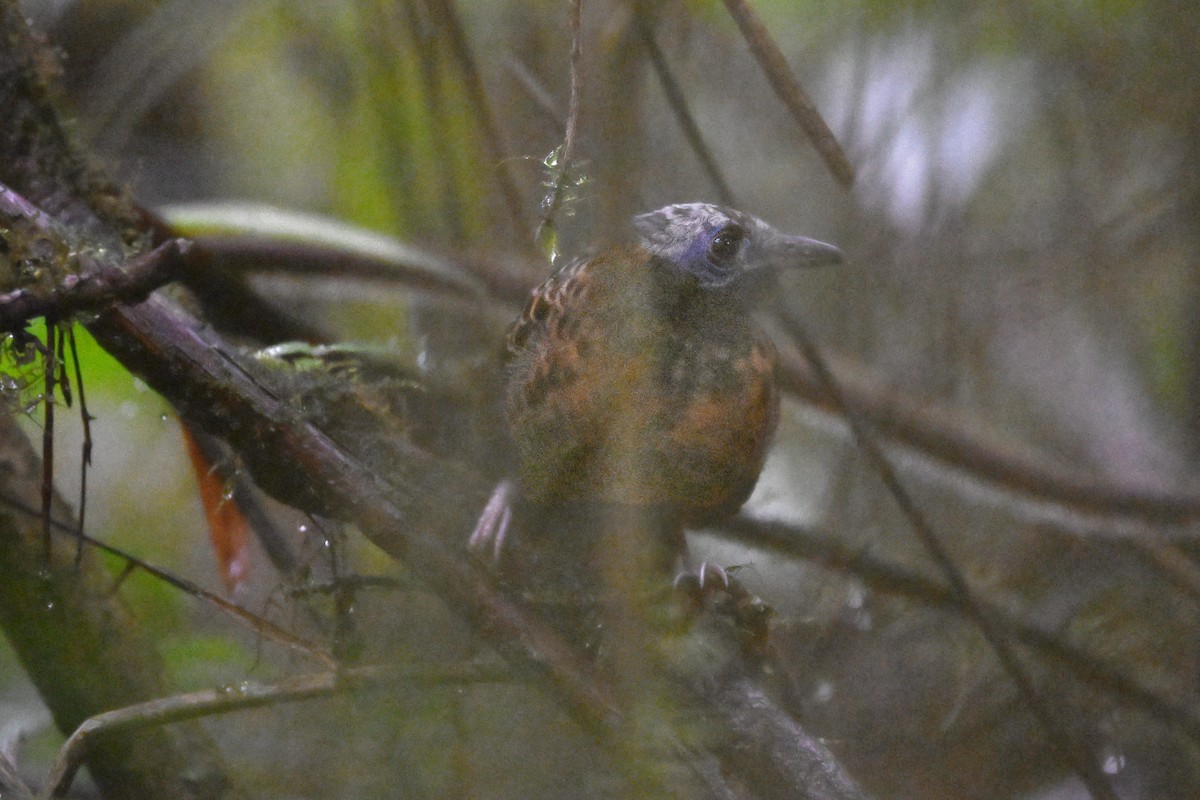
{"points": [[777, 252], [786, 252]]}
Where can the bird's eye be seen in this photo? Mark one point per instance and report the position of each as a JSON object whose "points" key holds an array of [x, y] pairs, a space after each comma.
{"points": [[726, 243]]}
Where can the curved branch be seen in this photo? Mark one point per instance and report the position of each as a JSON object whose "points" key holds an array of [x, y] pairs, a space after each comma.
{"points": [[210, 702]]}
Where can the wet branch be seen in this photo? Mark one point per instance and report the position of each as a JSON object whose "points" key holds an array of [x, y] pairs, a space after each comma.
{"points": [[964, 442], [91, 291]]}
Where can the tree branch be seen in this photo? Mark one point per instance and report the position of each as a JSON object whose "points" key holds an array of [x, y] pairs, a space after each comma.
{"points": [[788, 89], [963, 442], [89, 290], [77, 643]]}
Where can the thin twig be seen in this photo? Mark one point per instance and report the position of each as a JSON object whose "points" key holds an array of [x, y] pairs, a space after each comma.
{"points": [[682, 113], [1174, 563], [50, 365], [402, 265], [85, 455], [771, 59], [244, 696], [566, 156], [541, 99], [1057, 734], [10, 780], [258, 624], [353, 583], [85, 419], [446, 14]]}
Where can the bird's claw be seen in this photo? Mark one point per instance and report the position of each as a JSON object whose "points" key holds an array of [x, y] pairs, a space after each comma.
{"points": [[708, 576], [494, 522]]}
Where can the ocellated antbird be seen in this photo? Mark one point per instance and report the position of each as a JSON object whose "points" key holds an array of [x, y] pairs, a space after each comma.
{"points": [[637, 378]]}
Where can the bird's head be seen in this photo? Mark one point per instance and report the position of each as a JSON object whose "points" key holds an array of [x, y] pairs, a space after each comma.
{"points": [[720, 245]]}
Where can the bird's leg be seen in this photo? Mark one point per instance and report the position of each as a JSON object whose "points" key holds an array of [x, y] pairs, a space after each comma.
{"points": [[494, 522]]}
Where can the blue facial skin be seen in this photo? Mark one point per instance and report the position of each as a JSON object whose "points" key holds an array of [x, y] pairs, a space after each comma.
{"points": [[712, 256]]}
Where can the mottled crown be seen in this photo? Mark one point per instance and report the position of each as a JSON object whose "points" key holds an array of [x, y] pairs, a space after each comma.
{"points": [[718, 244]]}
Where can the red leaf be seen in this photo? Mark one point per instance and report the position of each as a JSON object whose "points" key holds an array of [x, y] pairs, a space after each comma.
{"points": [[227, 527]]}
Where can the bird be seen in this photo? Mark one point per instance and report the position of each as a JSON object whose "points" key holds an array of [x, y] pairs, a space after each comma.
{"points": [[637, 378]]}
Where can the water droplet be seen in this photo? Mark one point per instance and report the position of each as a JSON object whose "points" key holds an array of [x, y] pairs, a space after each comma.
{"points": [[303, 529], [1114, 762], [823, 693]]}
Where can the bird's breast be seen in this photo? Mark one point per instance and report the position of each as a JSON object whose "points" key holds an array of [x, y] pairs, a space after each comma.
{"points": [[721, 416], [642, 411]]}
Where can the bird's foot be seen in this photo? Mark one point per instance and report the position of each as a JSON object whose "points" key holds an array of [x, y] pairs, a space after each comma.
{"points": [[711, 595], [494, 523]]}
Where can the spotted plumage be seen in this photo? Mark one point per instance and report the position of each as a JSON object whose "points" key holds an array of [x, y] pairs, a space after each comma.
{"points": [[637, 377]]}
